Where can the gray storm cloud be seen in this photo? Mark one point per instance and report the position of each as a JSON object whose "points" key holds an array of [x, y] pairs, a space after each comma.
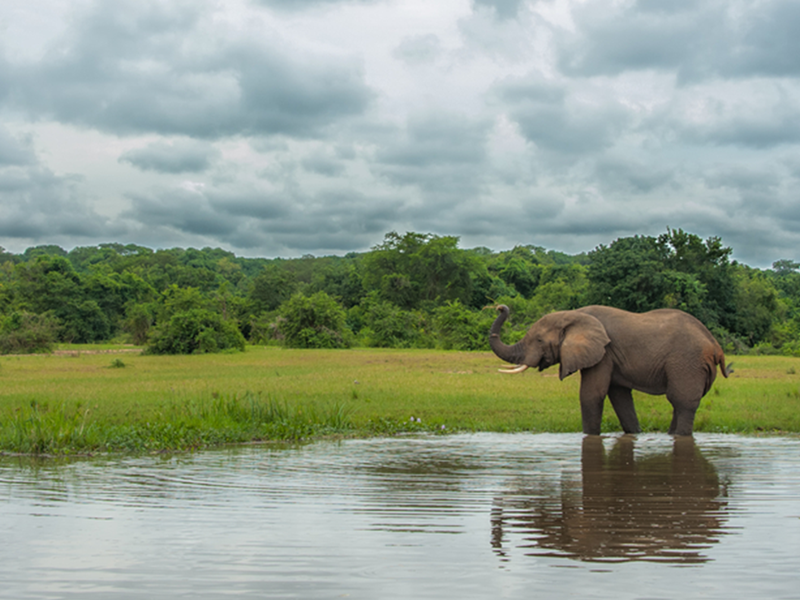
{"points": [[285, 128]]}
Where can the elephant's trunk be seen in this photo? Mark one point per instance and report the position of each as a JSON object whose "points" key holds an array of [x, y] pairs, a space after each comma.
{"points": [[513, 354]]}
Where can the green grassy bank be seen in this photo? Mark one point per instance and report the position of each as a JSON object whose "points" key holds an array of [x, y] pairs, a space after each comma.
{"points": [[87, 399]]}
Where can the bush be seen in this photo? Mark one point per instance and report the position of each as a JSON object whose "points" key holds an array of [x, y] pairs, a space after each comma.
{"points": [[460, 328], [316, 321], [195, 331], [389, 326], [22, 332]]}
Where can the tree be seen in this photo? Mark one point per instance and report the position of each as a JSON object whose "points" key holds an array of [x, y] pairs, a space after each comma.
{"points": [[677, 269], [629, 274], [784, 268], [709, 263], [756, 301], [271, 288], [520, 268], [340, 278], [115, 293], [48, 283], [43, 250], [317, 321], [138, 321], [177, 299], [417, 270]]}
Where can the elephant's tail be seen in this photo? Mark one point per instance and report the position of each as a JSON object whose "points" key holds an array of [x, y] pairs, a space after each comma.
{"points": [[711, 369], [721, 362]]}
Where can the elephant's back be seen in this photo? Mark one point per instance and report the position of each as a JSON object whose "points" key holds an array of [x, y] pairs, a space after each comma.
{"points": [[657, 335], [662, 322]]}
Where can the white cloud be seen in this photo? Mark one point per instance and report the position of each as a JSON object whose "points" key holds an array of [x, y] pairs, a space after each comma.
{"points": [[419, 49]]}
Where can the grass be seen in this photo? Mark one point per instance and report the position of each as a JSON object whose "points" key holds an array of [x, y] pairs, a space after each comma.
{"points": [[85, 400]]}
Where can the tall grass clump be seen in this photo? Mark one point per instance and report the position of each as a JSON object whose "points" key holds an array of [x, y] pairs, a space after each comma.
{"points": [[259, 417], [181, 425], [41, 430]]}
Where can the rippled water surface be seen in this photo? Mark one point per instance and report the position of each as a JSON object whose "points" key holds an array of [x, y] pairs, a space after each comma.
{"points": [[466, 516]]}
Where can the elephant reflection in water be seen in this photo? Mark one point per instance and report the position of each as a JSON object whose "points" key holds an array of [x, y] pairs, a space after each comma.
{"points": [[666, 507]]}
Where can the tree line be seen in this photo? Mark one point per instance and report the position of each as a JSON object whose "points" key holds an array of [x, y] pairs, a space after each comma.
{"points": [[412, 290]]}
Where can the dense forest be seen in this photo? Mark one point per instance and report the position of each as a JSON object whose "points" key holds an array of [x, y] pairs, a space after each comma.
{"points": [[412, 290]]}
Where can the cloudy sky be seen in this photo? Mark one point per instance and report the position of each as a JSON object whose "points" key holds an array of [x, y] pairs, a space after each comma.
{"points": [[289, 127]]}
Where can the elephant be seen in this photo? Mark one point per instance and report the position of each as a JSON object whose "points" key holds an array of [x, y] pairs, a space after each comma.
{"points": [[664, 351]]}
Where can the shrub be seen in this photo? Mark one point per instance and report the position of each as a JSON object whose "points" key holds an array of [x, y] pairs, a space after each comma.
{"points": [[22, 332], [389, 326], [195, 331], [460, 328], [316, 321]]}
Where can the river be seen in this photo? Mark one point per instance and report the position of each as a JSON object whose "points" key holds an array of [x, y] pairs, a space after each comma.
{"points": [[452, 516]]}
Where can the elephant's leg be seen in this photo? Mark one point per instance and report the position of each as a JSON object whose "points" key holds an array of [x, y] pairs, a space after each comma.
{"points": [[591, 415], [685, 401], [622, 401], [682, 420], [594, 387]]}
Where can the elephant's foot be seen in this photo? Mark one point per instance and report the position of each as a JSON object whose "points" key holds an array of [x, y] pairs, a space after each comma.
{"points": [[682, 422]]}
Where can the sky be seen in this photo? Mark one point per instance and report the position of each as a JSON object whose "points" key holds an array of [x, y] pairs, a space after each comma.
{"points": [[292, 127]]}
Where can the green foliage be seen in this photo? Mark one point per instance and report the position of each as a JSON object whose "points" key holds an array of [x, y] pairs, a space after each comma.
{"points": [[50, 284], [39, 430], [459, 328], [520, 269], [315, 321], [628, 274], [271, 288], [176, 299], [138, 321], [195, 331], [339, 278], [84, 322], [386, 325], [677, 270], [165, 403], [198, 422], [22, 332], [417, 270], [709, 262], [412, 290]]}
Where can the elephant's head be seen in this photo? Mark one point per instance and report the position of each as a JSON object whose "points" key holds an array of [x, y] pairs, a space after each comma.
{"points": [[575, 339]]}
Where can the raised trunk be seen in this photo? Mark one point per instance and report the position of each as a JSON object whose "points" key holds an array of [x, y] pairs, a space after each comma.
{"points": [[513, 354]]}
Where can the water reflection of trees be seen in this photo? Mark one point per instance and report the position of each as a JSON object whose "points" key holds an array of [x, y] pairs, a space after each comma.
{"points": [[666, 507]]}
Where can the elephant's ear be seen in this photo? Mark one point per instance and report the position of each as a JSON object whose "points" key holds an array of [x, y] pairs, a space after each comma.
{"points": [[584, 344]]}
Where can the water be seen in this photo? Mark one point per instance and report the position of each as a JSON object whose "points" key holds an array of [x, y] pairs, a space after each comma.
{"points": [[466, 516]]}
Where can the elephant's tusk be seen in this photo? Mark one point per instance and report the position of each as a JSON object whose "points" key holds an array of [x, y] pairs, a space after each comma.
{"points": [[517, 369]]}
